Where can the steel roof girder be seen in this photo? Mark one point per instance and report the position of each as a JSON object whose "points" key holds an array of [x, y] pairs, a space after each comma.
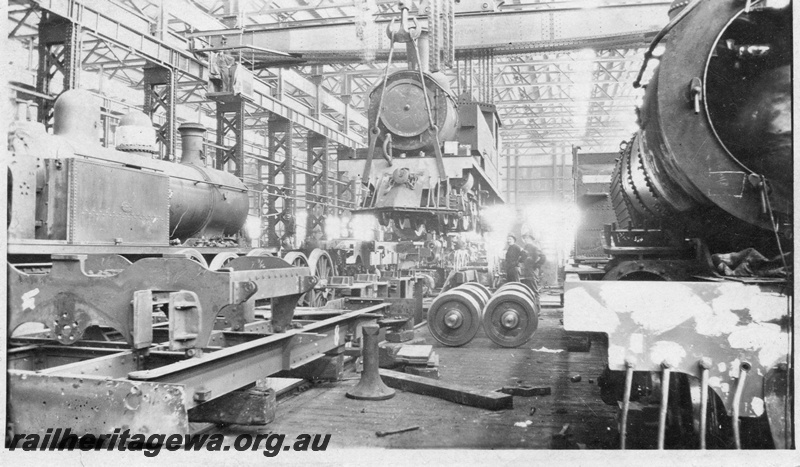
{"points": [[475, 31], [124, 28]]}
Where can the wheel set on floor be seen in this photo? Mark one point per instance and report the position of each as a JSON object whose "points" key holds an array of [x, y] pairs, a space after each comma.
{"points": [[510, 317]]}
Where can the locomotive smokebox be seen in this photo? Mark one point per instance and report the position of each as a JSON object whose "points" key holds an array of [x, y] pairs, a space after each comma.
{"points": [[408, 109], [204, 201], [714, 150]]}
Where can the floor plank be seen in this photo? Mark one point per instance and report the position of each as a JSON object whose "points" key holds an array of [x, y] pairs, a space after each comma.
{"points": [[480, 365]]}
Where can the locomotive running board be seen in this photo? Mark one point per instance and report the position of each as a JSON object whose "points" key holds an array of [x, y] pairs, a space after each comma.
{"points": [[152, 391]]}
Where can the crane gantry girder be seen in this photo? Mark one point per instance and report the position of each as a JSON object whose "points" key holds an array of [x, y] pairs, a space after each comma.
{"points": [[502, 32], [110, 22]]}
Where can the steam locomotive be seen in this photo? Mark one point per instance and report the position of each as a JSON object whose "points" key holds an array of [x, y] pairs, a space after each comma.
{"points": [[85, 220], [114, 308], [431, 165], [696, 299], [433, 157]]}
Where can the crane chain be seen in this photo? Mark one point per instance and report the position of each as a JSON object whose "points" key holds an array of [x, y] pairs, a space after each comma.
{"points": [[375, 130]]}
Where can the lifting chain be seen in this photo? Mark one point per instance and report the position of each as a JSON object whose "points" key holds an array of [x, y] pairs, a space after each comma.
{"points": [[451, 26], [403, 34], [406, 34], [434, 52], [434, 129], [375, 130]]}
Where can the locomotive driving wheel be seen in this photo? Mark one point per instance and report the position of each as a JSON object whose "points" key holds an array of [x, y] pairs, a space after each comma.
{"points": [[194, 255], [296, 259], [221, 260], [323, 269], [299, 260], [260, 252]]}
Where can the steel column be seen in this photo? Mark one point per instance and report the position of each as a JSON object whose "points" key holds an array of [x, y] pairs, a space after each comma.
{"points": [[345, 197], [119, 25], [59, 52], [280, 203], [159, 93], [262, 175], [230, 124], [317, 182]]}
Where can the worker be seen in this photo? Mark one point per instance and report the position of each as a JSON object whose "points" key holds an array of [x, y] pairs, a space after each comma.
{"points": [[514, 256], [460, 255], [534, 259], [222, 69], [460, 262]]}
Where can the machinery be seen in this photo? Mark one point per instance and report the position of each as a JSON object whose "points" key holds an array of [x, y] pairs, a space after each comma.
{"points": [[114, 308], [432, 160], [431, 164], [591, 173], [696, 298]]}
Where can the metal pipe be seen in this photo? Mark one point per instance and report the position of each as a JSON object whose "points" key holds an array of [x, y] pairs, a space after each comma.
{"points": [[626, 403], [737, 400], [705, 364], [22, 111], [649, 52], [662, 410], [418, 59]]}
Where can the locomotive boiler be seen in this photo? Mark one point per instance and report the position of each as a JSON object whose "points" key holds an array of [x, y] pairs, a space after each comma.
{"points": [[713, 156], [78, 192], [696, 296]]}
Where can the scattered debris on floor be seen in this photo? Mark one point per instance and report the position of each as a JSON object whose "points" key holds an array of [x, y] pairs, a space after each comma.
{"points": [[414, 354], [525, 391], [546, 350], [563, 439], [575, 379], [381, 434], [524, 424]]}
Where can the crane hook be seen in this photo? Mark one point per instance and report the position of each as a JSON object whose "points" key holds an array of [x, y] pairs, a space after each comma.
{"points": [[404, 33]]}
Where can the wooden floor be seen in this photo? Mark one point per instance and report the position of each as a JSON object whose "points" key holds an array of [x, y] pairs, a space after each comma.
{"points": [[480, 364]]}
